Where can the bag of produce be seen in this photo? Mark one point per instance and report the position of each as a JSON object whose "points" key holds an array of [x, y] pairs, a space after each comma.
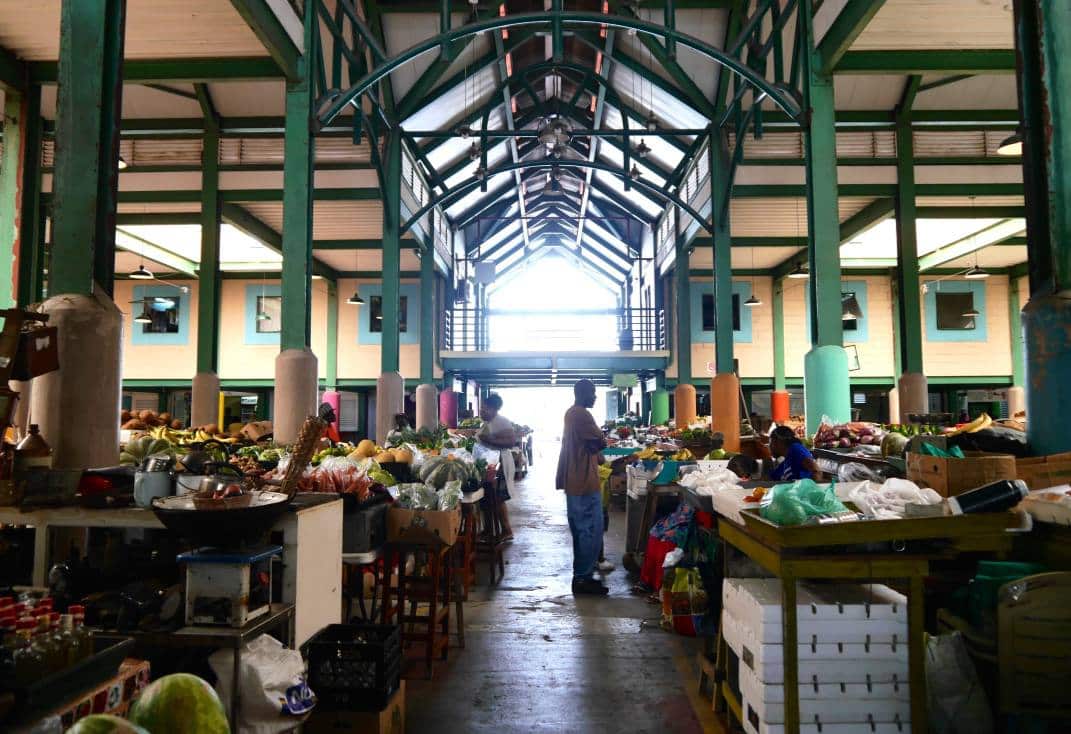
{"points": [[792, 504], [450, 496], [684, 601], [416, 496]]}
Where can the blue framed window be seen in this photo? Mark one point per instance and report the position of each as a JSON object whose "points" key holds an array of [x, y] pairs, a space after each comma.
{"points": [[702, 299], [409, 295], [947, 303], [265, 300], [853, 298], [169, 311]]}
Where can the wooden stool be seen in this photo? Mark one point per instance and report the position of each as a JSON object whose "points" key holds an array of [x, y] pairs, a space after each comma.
{"points": [[434, 589], [491, 544], [465, 547]]}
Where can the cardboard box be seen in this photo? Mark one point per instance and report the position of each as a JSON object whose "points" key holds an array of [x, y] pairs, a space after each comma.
{"points": [[950, 477], [391, 720], [1042, 472], [423, 526]]}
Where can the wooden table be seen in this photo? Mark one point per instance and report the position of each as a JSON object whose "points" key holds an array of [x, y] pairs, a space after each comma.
{"points": [[312, 550], [839, 551]]}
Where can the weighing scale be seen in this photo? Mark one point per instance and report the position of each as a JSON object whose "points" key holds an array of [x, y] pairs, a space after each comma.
{"points": [[228, 587]]}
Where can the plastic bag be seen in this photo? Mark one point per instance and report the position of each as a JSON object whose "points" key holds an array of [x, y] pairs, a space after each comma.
{"points": [[684, 601], [491, 456], [417, 496], [957, 702], [450, 496], [274, 693], [792, 504]]}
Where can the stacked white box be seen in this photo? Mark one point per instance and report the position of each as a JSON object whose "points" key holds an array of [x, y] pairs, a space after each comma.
{"points": [[852, 656]]}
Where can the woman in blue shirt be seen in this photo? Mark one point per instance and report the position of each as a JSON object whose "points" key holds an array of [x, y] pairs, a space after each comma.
{"points": [[798, 462]]}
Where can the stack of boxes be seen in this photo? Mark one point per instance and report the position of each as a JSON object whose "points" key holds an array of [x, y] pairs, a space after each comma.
{"points": [[852, 653]]}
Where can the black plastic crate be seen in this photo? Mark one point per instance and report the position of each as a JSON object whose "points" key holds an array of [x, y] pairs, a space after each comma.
{"points": [[354, 666], [363, 528]]}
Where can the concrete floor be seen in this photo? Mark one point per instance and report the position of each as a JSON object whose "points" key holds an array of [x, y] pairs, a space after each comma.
{"points": [[538, 660]]}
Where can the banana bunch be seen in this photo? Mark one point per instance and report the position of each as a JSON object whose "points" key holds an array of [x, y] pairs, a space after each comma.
{"points": [[683, 455], [978, 424], [648, 454]]}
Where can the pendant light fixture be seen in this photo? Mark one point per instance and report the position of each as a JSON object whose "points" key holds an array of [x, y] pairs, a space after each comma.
{"points": [[122, 165], [752, 300], [798, 273], [355, 299], [642, 149], [971, 313], [141, 273], [976, 273], [1011, 145], [144, 317], [262, 315]]}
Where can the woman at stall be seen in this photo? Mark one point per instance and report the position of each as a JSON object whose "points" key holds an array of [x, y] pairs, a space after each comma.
{"points": [[797, 462], [497, 433]]}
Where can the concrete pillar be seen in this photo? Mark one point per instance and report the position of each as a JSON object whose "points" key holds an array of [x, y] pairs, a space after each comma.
{"points": [[826, 387], [296, 391], [390, 401], [1016, 401], [77, 406], [448, 407], [204, 403], [427, 407], [659, 407], [684, 405], [914, 394], [725, 408], [894, 406], [780, 406]]}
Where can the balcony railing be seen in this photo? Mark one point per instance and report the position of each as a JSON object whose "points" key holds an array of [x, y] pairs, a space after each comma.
{"points": [[467, 329]]}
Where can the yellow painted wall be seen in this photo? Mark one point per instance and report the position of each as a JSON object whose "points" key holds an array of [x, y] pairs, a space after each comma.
{"points": [[755, 357], [875, 354], [144, 362], [361, 361], [991, 357]]}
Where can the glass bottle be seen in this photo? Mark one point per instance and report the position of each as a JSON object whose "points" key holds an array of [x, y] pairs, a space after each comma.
{"points": [[83, 635], [67, 640], [29, 662], [44, 642]]}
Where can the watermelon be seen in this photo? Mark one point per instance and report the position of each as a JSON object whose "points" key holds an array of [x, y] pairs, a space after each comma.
{"points": [[105, 724], [180, 704], [438, 470]]}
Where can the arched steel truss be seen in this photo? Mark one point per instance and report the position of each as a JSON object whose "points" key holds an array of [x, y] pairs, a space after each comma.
{"points": [[334, 101]]}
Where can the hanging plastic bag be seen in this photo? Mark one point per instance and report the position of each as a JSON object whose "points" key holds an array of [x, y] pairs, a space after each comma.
{"points": [[684, 601], [792, 504], [275, 695], [957, 702]]}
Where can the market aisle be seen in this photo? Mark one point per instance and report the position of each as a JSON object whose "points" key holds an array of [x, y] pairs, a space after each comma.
{"points": [[538, 660]]}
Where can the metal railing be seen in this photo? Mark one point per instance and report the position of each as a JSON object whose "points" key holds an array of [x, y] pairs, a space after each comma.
{"points": [[466, 329]]}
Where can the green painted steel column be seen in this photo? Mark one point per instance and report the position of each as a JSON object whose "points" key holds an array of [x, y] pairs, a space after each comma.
{"points": [[208, 275], [88, 112], [428, 316], [778, 334], [298, 160], [684, 314], [825, 367], [1016, 331], [898, 360], [332, 335], [723, 259], [14, 122], [1043, 43], [909, 314], [392, 250], [31, 249]]}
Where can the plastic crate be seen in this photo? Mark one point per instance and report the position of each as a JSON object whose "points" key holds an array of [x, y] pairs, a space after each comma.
{"points": [[354, 667], [363, 528]]}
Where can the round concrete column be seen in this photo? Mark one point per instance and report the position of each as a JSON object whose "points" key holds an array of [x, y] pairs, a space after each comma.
{"points": [[684, 405], [204, 402], [1048, 372], [427, 407], [894, 406], [780, 406], [296, 388], [826, 386], [725, 408], [390, 401], [448, 408], [914, 394], [659, 407], [1016, 401], [21, 420], [77, 406]]}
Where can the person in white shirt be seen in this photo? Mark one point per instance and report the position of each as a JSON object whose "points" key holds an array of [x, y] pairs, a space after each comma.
{"points": [[497, 433]]}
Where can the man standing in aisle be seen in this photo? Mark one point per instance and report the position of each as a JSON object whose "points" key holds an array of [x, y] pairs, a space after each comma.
{"points": [[578, 475]]}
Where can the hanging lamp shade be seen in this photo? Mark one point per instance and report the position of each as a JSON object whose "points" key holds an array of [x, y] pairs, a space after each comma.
{"points": [[262, 316], [976, 273], [849, 308], [1011, 145], [971, 313], [144, 317], [752, 301], [355, 299], [141, 274], [122, 164], [798, 273]]}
